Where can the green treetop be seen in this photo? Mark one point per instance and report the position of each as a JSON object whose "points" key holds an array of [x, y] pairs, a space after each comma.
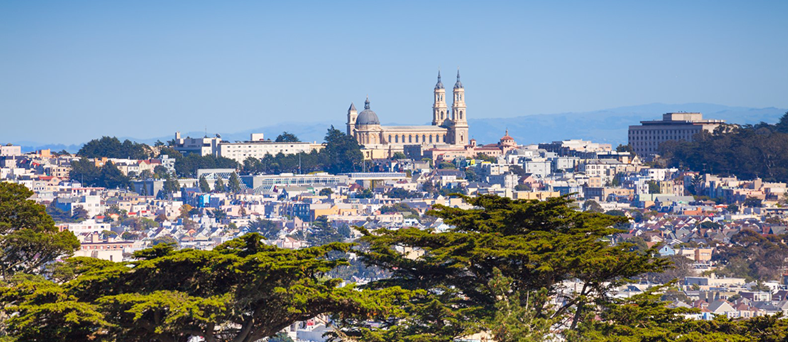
{"points": [[535, 246], [243, 290], [28, 236]]}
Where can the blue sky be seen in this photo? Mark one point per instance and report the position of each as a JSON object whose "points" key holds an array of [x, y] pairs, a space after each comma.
{"points": [[75, 70]]}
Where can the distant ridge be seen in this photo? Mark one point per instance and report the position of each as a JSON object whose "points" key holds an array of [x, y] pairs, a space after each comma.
{"points": [[604, 126]]}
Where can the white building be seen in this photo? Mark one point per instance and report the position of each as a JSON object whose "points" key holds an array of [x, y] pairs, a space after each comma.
{"points": [[240, 151]]}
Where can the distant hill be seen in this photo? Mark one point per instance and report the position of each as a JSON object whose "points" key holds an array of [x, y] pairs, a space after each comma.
{"points": [[605, 126]]}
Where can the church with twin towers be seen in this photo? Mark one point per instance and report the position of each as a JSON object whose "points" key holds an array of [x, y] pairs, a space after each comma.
{"points": [[449, 129]]}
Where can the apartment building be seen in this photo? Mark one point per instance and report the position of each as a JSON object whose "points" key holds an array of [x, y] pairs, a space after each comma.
{"points": [[681, 126]]}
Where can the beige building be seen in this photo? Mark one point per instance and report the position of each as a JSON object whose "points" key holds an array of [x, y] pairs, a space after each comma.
{"points": [[646, 137], [240, 151], [448, 129]]}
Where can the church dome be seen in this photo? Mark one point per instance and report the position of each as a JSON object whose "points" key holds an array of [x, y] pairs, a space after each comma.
{"points": [[367, 116]]}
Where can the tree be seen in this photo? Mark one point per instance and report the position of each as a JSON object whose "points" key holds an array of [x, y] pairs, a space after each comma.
{"points": [[752, 202], [471, 175], [287, 137], [625, 148], [204, 187], [484, 157], [187, 166], [242, 290], [399, 155], [592, 206], [234, 184], [536, 244], [166, 239], [782, 125], [28, 236], [185, 211], [160, 172], [160, 218], [171, 185], [325, 192], [111, 147], [218, 186], [79, 214], [269, 229], [653, 187], [342, 152], [446, 165]]}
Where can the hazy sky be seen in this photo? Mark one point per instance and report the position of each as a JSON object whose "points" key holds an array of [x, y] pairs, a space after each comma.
{"points": [[75, 70]]}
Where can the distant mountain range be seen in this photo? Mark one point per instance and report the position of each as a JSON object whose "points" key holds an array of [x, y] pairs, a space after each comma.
{"points": [[604, 126]]}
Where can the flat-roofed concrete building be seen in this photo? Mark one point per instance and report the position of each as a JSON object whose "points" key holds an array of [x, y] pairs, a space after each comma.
{"points": [[680, 126]]}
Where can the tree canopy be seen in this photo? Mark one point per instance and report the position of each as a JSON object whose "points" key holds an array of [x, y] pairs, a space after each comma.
{"points": [[111, 147], [341, 154], [287, 137], [28, 236], [534, 245], [243, 290], [747, 151], [107, 176]]}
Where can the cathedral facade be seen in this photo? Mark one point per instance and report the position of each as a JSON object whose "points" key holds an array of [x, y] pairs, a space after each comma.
{"points": [[449, 129]]}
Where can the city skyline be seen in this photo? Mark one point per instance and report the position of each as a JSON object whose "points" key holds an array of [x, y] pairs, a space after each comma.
{"points": [[86, 69]]}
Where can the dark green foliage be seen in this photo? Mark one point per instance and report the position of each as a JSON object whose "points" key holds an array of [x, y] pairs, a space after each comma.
{"points": [[366, 193], [535, 244], [401, 193], [653, 187], [322, 232], [108, 176], [169, 152], [592, 206], [160, 172], [399, 155], [204, 186], [471, 175], [752, 256], [269, 229], [644, 317], [247, 288], [287, 137], [484, 157], [188, 165], [61, 216], [111, 147], [747, 152], [341, 154], [28, 236], [325, 192], [234, 184], [218, 186], [399, 208], [171, 185], [625, 148], [752, 202], [447, 165]]}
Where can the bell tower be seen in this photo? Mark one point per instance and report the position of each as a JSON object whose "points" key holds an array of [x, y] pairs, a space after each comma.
{"points": [[440, 112], [352, 115], [459, 119]]}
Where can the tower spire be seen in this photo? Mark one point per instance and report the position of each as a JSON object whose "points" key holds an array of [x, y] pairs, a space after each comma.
{"points": [[439, 85], [458, 85]]}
